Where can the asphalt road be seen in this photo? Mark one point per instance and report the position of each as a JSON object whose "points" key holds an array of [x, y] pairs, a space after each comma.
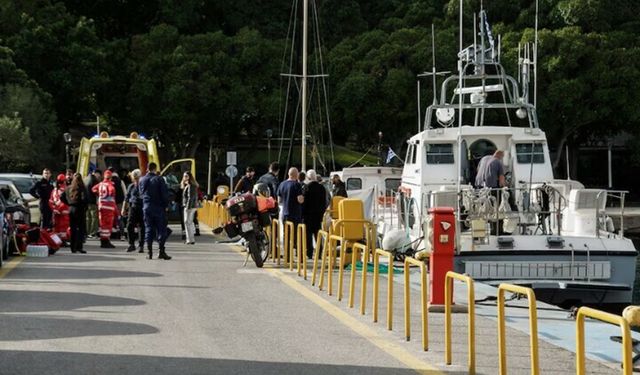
{"points": [[112, 312]]}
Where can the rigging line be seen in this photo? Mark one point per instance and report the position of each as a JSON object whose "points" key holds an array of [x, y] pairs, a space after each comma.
{"points": [[293, 130], [318, 46], [504, 99], [363, 156], [284, 56], [294, 12], [324, 85]]}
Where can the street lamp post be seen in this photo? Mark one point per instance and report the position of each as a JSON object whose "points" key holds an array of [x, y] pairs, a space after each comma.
{"points": [[269, 135], [209, 172], [380, 148], [67, 141]]}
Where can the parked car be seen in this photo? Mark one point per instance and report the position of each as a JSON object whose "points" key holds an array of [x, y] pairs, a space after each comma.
{"points": [[13, 196], [24, 182], [11, 214]]}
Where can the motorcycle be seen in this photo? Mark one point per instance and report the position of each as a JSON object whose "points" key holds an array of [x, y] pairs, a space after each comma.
{"points": [[250, 215]]}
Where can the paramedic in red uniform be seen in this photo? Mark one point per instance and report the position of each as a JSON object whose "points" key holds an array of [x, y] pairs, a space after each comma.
{"points": [[107, 208], [60, 209]]}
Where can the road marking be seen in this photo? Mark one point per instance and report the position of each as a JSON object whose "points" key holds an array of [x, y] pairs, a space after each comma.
{"points": [[360, 328], [9, 266]]}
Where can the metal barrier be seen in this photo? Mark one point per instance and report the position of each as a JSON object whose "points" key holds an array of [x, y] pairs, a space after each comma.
{"points": [[322, 240], [355, 250], [533, 326], [376, 277], [302, 249], [287, 243], [627, 362], [327, 256], [423, 302], [448, 293], [275, 240]]}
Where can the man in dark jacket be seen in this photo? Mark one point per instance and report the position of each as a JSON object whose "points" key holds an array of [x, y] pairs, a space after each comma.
{"points": [[271, 178], [245, 185], [132, 207], [339, 189], [92, 202], [313, 208], [155, 200], [42, 190]]}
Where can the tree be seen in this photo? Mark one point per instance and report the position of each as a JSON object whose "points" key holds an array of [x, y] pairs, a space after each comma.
{"points": [[14, 143]]}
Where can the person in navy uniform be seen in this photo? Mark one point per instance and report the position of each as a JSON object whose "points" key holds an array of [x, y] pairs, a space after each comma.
{"points": [[42, 190], [155, 200]]}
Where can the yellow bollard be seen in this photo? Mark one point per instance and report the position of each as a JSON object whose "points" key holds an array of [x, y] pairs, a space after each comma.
{"points": [[356, 249], [329, 257], [288, 240], [583, 312], [321, 243], [275, 227], [533, 326], [448, 292], [302, 249], [376, 277], [423, 301]]}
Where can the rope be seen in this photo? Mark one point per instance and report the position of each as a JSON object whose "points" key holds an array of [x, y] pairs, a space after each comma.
{"points": [[363, 156]]}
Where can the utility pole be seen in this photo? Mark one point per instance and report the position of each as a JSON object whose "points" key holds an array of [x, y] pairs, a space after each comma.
{"points": [[209, 172]]}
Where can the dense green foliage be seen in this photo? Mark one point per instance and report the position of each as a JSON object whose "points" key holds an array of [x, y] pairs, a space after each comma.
{"points": [[184, 71]]}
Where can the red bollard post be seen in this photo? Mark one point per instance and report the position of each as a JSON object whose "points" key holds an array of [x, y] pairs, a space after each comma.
{"points": [[442, 239]]}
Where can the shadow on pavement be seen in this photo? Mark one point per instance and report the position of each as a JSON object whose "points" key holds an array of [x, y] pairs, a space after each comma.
{"points": [[80, 363], [73, 258], [60, 273], [33, 301], [31, 327]]}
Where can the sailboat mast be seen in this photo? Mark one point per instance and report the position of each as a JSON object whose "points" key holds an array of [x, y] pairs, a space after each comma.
{"points": [[305, 23]]}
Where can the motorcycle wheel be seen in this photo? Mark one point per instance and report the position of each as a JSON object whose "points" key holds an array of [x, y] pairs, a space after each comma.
{"points": [[254, 250]]}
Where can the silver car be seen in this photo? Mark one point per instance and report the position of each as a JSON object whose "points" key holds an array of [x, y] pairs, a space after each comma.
{"points": [[24, 182]]}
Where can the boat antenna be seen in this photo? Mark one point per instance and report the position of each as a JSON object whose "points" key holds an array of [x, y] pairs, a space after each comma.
{"points": [[460, 98], [535, 61], [434, 73]]}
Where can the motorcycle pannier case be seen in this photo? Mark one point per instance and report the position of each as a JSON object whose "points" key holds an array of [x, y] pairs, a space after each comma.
{"points": [[232, 230], [242, 204]]}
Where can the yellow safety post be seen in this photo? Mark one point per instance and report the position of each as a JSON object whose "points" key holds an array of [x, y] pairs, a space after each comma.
{"points": [[423, 301], [376, 277], [289, 237], [448, 294], [275, 227], [321, 242], [356, 249], [328, 256], [533, 326], [302, 249], [583, 312]]}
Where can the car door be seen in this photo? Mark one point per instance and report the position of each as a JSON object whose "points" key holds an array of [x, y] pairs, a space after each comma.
{"points": [[172, 174]]}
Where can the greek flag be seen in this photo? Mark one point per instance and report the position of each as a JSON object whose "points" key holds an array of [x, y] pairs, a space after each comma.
{"points": [[390, 155], [488, 29]]}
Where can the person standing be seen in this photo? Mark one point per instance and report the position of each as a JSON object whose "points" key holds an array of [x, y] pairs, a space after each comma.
{"points": [[271, 178], [107, 209], [92, 203], [60, 209], [155, 200], [75, 196], [291, 198], [189, 188], [42, 190], [339, 189], [491, 171], [315, 199], [245, 185], [132, 208]]}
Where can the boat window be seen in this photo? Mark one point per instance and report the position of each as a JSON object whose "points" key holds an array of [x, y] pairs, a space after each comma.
{"points": [[354, 183], [411, 154], [414, 154], [392, 184], [440, 153], [524, 153]]}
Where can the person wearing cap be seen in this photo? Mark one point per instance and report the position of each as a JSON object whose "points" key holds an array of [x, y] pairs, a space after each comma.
{"points": [[132, 208], [155, 200], [60, 209], [107, 208], [245, 184], [315, 203]]}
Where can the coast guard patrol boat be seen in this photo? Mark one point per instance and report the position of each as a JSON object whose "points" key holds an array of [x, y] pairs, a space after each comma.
{"points": [[552, 235]]}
